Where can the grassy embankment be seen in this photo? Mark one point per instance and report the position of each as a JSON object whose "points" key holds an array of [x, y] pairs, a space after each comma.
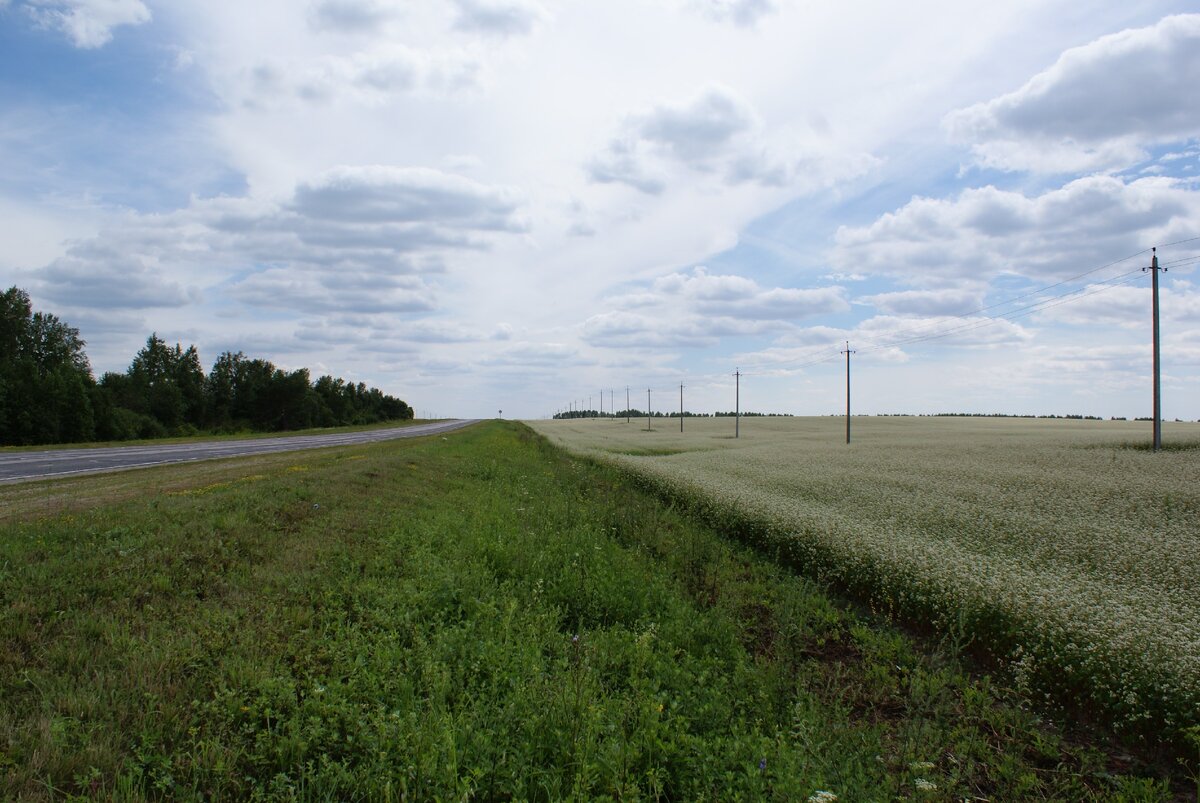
{"points": [[472, 616]]}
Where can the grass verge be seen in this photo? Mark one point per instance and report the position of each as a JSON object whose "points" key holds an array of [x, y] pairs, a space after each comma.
{"points": [[472, 617]]}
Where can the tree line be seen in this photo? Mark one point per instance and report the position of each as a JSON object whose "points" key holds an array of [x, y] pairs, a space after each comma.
{"points": [[635, 413], [49, 395]]}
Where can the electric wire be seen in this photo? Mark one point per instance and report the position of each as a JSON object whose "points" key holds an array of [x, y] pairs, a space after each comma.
{"points": [[820, 354]]}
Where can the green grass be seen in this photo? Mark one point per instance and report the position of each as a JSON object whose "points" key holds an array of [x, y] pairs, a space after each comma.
{"points": [[477, 616]]}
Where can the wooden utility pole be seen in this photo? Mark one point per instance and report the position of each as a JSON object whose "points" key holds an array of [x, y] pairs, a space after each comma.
{"points": [[647, 409], [681, 408], [737, 401], [847, 352], [627, 404], [1154, 269]]}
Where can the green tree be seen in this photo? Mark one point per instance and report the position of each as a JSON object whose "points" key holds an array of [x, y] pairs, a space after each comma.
{"points": [[44, 375], [169, 382]]}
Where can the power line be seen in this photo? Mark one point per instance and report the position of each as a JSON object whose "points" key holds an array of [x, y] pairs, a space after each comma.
{"points": [[1020, 312], [972, 321], [1178, 242], [811, 358]]}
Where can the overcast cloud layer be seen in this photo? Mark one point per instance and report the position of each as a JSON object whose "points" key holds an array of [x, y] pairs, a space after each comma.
{"points": [[515, 204]]}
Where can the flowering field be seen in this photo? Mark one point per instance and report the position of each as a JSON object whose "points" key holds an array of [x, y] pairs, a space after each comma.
{"points": [[1062, 548], [475, 617]]}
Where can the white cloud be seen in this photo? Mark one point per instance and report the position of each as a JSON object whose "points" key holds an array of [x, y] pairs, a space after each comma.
{"points": [[89, 23], [498, 17], [1128, 307], [371, 77], [983, 233], [697, 309], [351, 16], [627, 330], [381, 194], [96, 276], [1097, 107], [532, 353], [949, 301], [740, 12], [621, 163], [716, 133], [698, 130], [738, 297], [318, 292], [884, 338], [888, 333], [351, 238]]}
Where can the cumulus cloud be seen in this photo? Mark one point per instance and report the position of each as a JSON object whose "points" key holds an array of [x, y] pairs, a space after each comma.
{"points": [[368, 77], [498, 17], [1128, 307], [700, 129], [94, 275], [889, 333], [738, 297], [1097, 107], [885, 338], [315, 292], [950, 301], [385, 194], [361, 238], [621, 163], [1097, 368], [367, 326], [532, 353], [350, 16], [88, 23], [718, 133], [739, 12], [696, 309], [986, 232], [698, 133], [626, 330]]}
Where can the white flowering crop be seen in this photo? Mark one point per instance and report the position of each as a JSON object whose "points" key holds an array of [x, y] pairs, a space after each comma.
{"points": [[1052, 544]]}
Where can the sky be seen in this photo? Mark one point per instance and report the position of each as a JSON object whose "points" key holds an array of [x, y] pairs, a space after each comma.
{"points": [[516, 205]]}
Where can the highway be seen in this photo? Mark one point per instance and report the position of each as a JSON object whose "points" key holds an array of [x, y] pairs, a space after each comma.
{"points": [[51, 463]]}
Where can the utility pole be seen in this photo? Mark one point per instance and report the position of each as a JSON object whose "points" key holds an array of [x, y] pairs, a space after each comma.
{"points": [[647, 409], [737, 401], [589, 407], [602, 404], [612, 398], [1154, 269], [847, 352], [627, 404], [681, 408]]}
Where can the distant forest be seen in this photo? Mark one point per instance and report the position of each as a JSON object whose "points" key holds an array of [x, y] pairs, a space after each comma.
{"points": [[48, 393]]}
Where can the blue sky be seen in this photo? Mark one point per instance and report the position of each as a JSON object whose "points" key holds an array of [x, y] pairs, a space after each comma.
{"points": [[512, 204]]}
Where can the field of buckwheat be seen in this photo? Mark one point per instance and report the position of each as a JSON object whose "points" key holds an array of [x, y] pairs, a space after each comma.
{"points": [[1063, 549]]}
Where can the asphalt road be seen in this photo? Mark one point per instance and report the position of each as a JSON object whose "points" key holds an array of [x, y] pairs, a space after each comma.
{"points": [[28, 466]]}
